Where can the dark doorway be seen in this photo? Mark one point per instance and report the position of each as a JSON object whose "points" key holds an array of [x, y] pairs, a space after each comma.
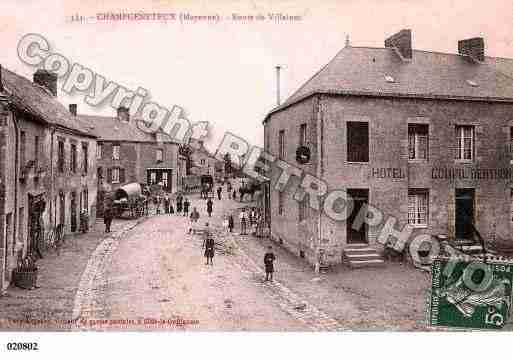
{"points": [[163, 176], [360, 198], [36, 207], [464, 213], [73, 211]]}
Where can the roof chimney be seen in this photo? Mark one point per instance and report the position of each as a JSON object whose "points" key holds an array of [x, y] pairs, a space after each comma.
{"points": [[123, 114], [474, 48], [73, 109], [47, 79], [401, 42]]}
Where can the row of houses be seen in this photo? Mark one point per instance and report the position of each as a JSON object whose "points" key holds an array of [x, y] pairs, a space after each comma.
{"points": [[423, 136], [56, 164]]}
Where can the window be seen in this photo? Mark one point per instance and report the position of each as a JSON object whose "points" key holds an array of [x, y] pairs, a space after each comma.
{"points": [[302, 210], [85, 157], [115, 152], [160, 155], [153, 177], [115, 175], [164, 179], [418, 207], [36, 151], [202, 161], [302, 135], [357, 142], [99, 151], [22, 147], [85, 200], [464, 142], [73, 159], [60, 156], [280, 203], [418, 142], [281, 144]]}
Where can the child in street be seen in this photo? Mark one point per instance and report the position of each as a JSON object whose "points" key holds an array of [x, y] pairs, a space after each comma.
{"points": [[269, 259]]}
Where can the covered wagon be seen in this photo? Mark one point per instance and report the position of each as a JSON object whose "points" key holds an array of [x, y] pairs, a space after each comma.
{"points": [[130, 200]]}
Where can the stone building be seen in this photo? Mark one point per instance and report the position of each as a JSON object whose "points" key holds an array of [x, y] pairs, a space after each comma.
{"points": [[126, 154], [204, 163], [422, 136], [47, 167]]}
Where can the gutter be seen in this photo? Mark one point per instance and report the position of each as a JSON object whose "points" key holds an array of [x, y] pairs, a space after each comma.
{"points": [[319, 113]]}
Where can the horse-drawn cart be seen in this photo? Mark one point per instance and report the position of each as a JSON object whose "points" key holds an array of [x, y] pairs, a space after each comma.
{"points": [[130, 200]]}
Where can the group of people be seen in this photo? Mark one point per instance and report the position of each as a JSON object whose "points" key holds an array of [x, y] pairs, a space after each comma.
{"points": [[165, 204]]}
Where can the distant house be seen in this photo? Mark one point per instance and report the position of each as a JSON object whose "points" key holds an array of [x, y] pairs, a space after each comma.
{"points": [[420, 135], [126, 154], [204, 163], [47, 167]]}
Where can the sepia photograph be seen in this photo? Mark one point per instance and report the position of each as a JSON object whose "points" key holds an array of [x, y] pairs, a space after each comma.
{"points": [[255, 171]]}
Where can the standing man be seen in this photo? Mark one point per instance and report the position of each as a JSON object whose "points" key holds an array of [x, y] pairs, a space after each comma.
{"points": [[269, 259], [230, 223], [186, 205], [209, 207], [208, 244], [166, 204], [219, 190], [243, 221], [108, 213], [179, 200], [194, 220]]}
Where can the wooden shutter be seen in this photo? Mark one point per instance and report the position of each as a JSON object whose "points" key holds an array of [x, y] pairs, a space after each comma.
{"points": [[109, 175], [121, 175]]}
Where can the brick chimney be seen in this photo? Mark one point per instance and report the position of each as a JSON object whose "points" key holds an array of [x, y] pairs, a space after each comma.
{"points": [[46, 79], [73, 109], [123, 114], [473, 47], [401, 41]]}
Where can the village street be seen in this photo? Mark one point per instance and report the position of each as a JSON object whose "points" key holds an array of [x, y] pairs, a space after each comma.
{"points": [[157, 272]]}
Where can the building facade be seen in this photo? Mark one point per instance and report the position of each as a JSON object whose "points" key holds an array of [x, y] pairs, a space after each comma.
{"points": [[47, 167], [422, 136], [126, 154]]}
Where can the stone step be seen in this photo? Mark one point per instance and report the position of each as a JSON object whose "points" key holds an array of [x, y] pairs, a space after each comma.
{"points": [[363, 256], [366, 263]]}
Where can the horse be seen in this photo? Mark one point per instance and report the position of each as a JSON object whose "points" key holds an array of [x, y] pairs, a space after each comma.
{"points": [[248, 189]]}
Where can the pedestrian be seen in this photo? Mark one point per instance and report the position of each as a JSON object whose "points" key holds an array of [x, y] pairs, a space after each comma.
{"points": [[219, 190], [252, 216], [166, 203], [194, 220], [226, 224], [209, 207], [171, 208], [234, 195], [269, 259], [230, 223], [243, 221], [186, 205], [179, 201], [158, 200], [208, 244], [107, 217]]}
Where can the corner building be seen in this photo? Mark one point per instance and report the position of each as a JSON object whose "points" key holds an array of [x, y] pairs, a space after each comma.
{"points": [[423, 136]]}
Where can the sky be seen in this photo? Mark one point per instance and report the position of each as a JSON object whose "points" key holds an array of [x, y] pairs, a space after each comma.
{"points": [[224, 72]]}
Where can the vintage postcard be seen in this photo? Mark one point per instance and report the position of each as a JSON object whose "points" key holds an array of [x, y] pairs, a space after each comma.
{"points": [[255, 166]]}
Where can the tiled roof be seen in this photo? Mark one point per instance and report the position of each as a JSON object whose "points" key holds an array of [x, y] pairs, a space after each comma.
{"points": [[112, 129], [37, 101], [380, 72]]}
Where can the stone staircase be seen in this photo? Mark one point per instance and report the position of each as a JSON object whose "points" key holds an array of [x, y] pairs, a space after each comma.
{"points": [[362, 255]]}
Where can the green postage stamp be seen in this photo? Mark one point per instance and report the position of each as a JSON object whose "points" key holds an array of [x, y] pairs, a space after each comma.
{"points": [[468, 293]]}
